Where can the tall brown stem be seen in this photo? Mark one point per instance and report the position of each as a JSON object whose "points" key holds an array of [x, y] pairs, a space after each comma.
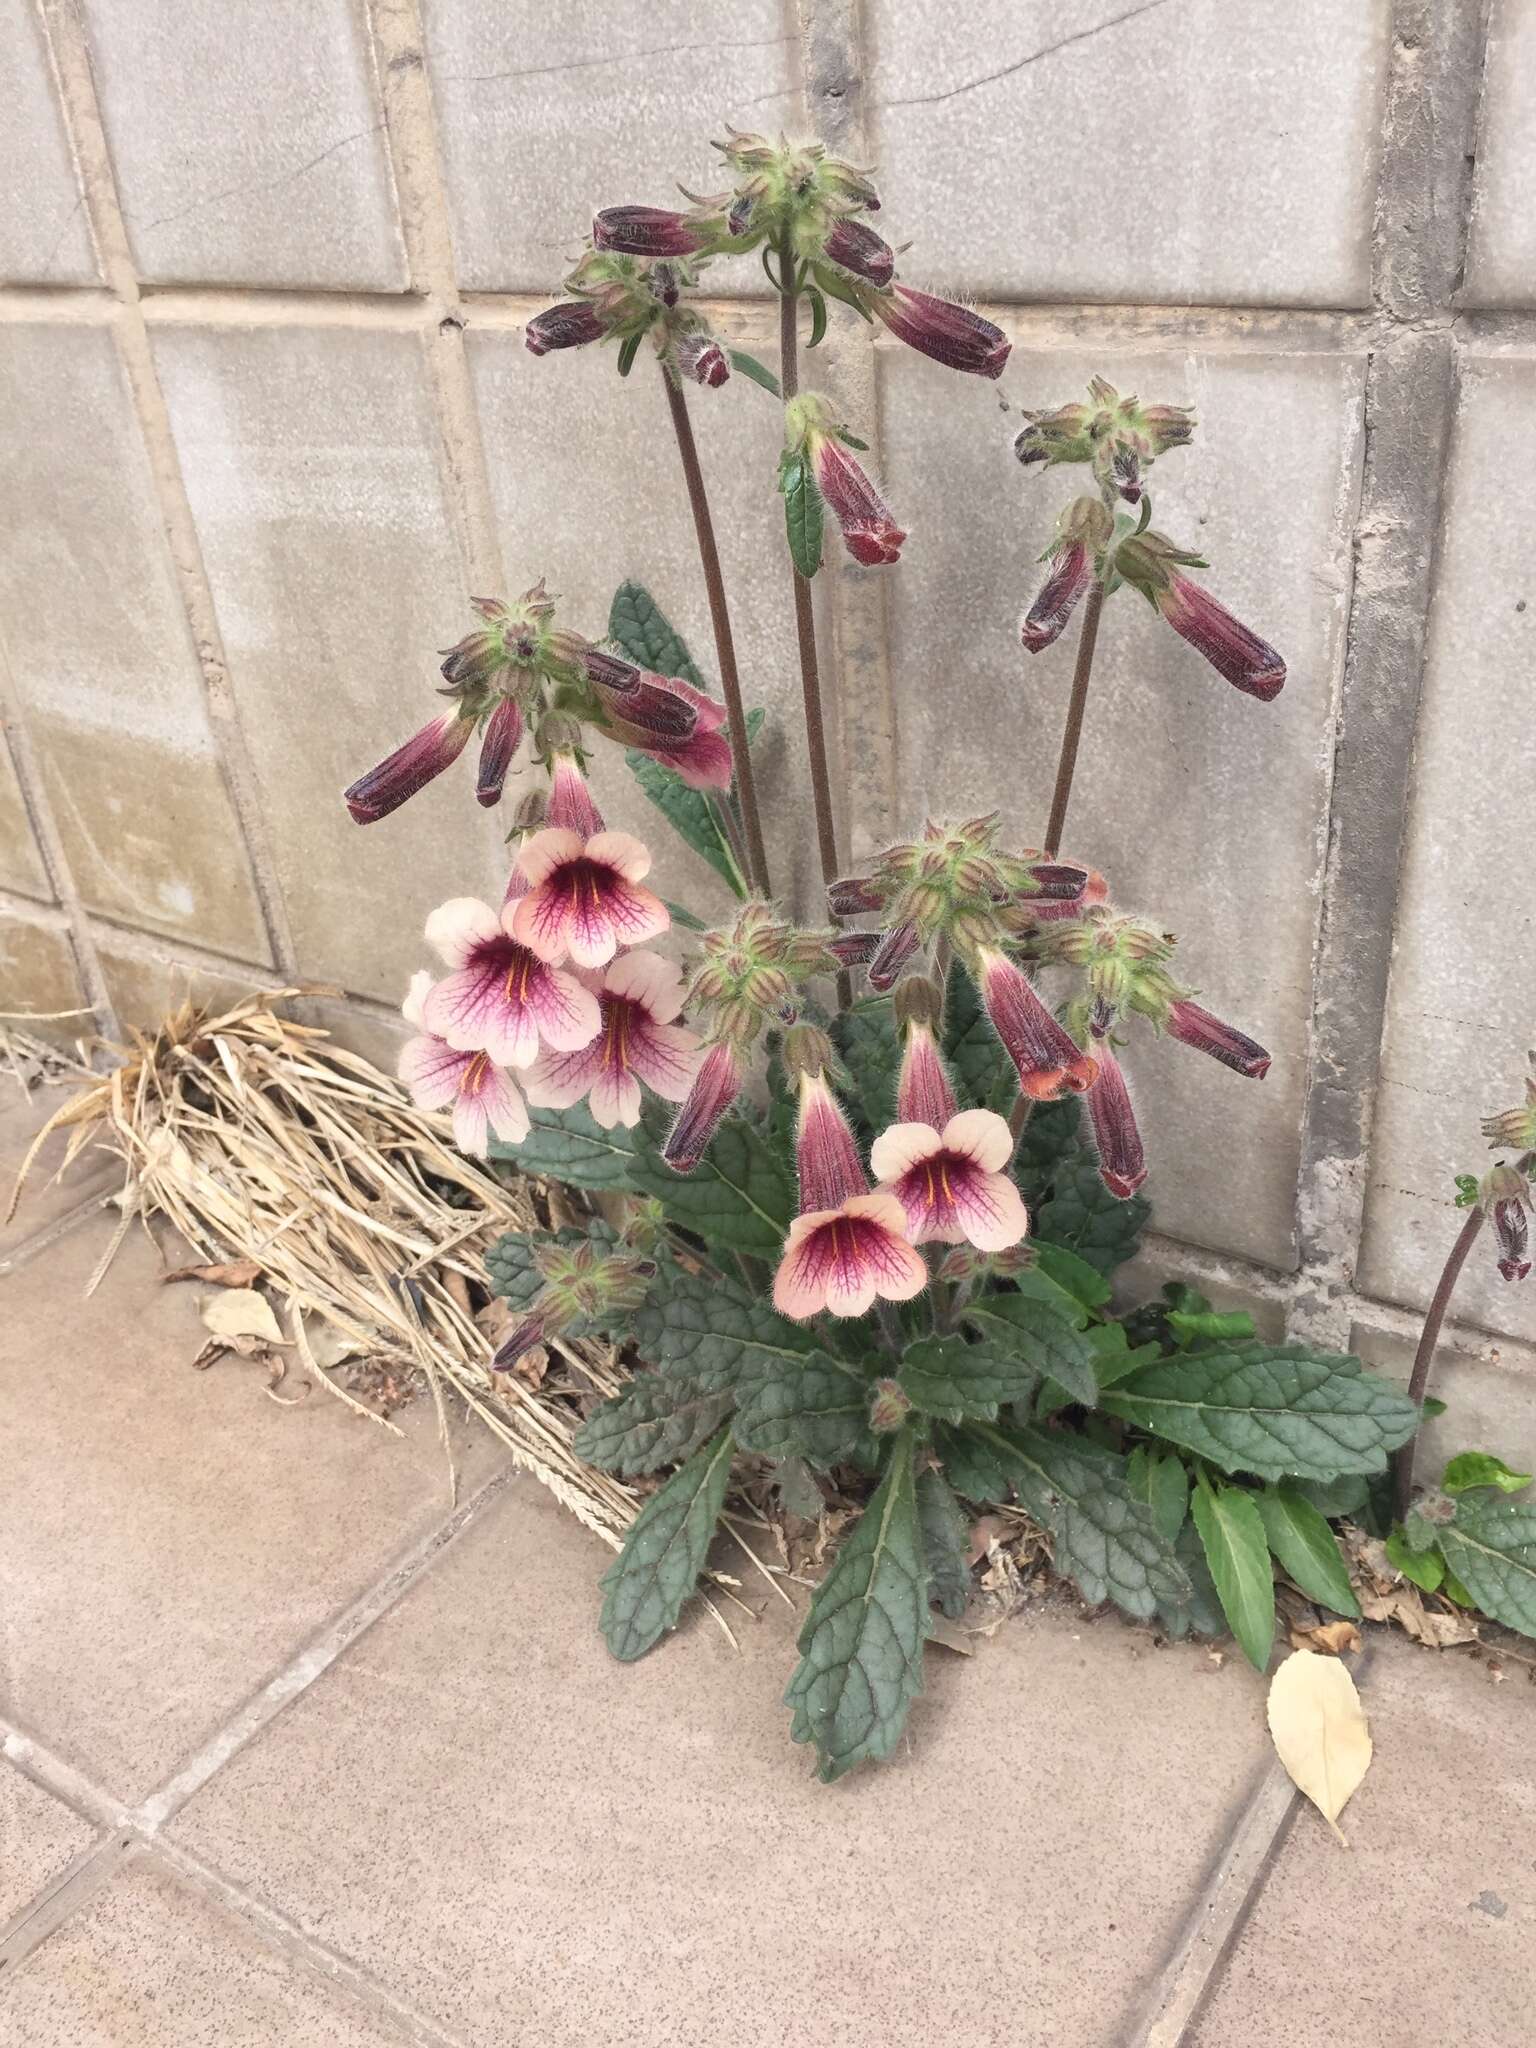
{"points": [[1424, 1357], [725, 645], [1087, 640], [805, 622]]}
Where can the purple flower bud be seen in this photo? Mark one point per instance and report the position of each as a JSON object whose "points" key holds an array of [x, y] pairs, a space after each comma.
{"points": [[644, 231], [738, 221], [1513, 1231], [870, 532], [853, 949], [1059, 880], [572, 324], [1047, 1058], [408, 768], [646, 705], [701, 357], [861, 250], [950, 334], [1071, 573], [854, 896], [523, 1337], [1248, 663], [716, 1086], [503, 732], [1122, 1163], [826, 1156], [896, 949], [1192, 1025]]}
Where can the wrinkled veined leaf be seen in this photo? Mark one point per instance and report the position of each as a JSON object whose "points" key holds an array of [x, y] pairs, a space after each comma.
{"points": [[802, 512], [652, 1422], [750, 367], [973, 1464], [1346, 1495], [1481, 1468], [862, 1643], [869, 1046], [740, 1197], [946, 1543], [639, 625], [1040, 1336], [1085, 1283], [1274, 1410], [1320, 1731], [1419, 1533], [1307, 1548], [648, 1583], [566, 1144], [1491, 1547], [816, 1409], [1159, 1478], [1426, 1568], [957, 1381], [708, 1329], [1081, 1214], [1200, 1612], [1237, 1551]]}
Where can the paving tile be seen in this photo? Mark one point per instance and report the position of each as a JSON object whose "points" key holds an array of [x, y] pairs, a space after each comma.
{"points": [[151, 1962], [173, 1537], [528, 1838], [310, 456], [1422, 1931], [39, 1839], [1463, 987], [248, 142], [101, 652], [1217, 830], [37, 963], [49, 1193], [1132, 152], [1501, 252], [44, 238], [544, 116]]}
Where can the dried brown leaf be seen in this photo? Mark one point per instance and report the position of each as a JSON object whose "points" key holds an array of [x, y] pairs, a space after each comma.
{"points": [[228, 1273], [1333, 1638], [241, 1312]]}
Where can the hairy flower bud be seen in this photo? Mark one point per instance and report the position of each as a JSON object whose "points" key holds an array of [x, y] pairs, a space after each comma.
{"points": [[701, 357], [1192, 1025], [1153, 564], [853, 949], [570, 806], [948, 334], [571, 324], [869, 529], [1048, 1060], [408, 769], [1071, 574], [889, 1407], [923, 1093], [854, 896], [895, 950], [716, 1086], [1122, 1163], [1515, 1129], [826, 1156], [503, 734], [859, 249], [644, 231]]}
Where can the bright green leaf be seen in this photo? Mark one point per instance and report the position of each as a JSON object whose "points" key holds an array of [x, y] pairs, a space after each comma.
{"points": [[802, 513], [1209, 1325], [1159, 1478], [946, 1543], [1491, 1547], [1237, 1551], [816, 1409], [1481, 1468], [1307, 1548], [652, 1422], [750, 367], [1426, 1568], [1452, 1589], [958, 1382], [1040, 1337], [1085, 1283], [646, 1586], [1200, 1614]]}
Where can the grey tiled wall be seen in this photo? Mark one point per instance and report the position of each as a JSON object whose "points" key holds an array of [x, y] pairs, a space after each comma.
{"points": [[266, 420]]}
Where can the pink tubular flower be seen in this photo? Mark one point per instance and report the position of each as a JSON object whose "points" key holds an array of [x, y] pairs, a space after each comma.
{"points": [[923, 1093], [950, 334], [854, 949], [570, 804], [484, 1100], [584, 896], [1248, 663], [716, 1086], [859, 249], [1194, 1026], [1071, 573], [643, 708], [1122, 1163], [572, 324], [644, 231], [870, 532], [1513, 1232], [894, 951], [841, 1259], [701, 357], [952, 1182], [826, 1157], [503, 732], [1051, 909], [409, 768], [640, 995], [502, 998], [1048, 1059], [703, 757]]}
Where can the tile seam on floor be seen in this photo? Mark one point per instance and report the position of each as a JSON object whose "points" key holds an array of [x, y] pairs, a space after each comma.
{"points": [[75, 1887], [53, 1774], [44, 1239]]}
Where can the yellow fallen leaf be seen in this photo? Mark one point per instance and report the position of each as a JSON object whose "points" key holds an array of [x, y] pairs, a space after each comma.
{"points": [[241, 1312], [1319, 1730]]}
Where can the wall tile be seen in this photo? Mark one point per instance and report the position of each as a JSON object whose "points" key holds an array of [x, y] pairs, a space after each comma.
{"points": [[44, 238], [100, 651], [309, 455], [1501, 257], [1202, 806], [39, 976], [1223, 157], [248, 141], [545, 114], [1487, 1396], [145, 990], [21, 865], [1463, 998]]}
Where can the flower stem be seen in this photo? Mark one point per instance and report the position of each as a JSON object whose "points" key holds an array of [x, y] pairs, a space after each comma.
{"points": [[720, 619], [1087, 640], [805, 622], [1424, 1357]]}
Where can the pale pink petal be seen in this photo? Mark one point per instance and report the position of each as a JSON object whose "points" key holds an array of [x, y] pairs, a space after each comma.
{"points": [[539, 922], [647, 978], [982, 1135], [541, 852], [623, 851], [416, 995], [590, 932], [557, 1079], [431, 1070], [665, 1056], [851, 1288], [900, 1146], [504, 1105], [568, 1015], [800, 1284], [456, 927], [881, 1207], [899, 1271], [615, 1098], [990, 1210], [471, 1125], [474, 1012], [636, 914]]}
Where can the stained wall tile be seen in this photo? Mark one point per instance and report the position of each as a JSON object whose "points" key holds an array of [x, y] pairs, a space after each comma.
{"points": [[40, 979], [43, 234], [1501, 256], [21, 864]]}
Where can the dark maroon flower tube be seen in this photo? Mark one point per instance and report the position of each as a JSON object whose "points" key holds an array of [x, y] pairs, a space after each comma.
{"points": [[949, 334], [1248, 663], [1048, 1059], [644, 231], [1071, 573], [869, 529], [530, 1331], [861, 250], [701, 357], [572, 324], [503, 732], [1513, 1232], [1192, 1025], [827, 1163], [408, 769], [854, 896], [854, 949], [1122, 1163], [716, 1086], [645, 704], [895, 950]]}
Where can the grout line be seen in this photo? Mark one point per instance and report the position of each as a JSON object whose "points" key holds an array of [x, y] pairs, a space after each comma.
{"points": [[52, 1773], [73, 1888], [43, 1240], [70, 55]]}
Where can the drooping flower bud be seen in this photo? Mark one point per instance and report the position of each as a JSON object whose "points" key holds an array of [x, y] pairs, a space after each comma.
{"points": [[701, 357], [1082, 534], [644, 231], [1515, 1129], [716, 1086], [853, 949], [854, 896], [1153, 564], [401, 774], [923, 1093], [570, 805], [532, 1329], [1048, 1060], [1122, 1163], [869, 529], [893, 953], [571, 324], [503, 734], [949, 334], [1192, 1025], [1509, 1221], [859, 249], [826, 1155], [646, 705]]}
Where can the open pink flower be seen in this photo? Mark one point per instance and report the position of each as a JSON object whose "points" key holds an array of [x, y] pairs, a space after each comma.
{"points": [[502, 998], [952, 1184], [640, 995], [841, 1259], [584, 896], [484, 1100]]}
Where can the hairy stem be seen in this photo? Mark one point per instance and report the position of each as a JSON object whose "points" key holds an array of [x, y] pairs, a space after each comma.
{"points": [[1087, 640], [720, 619], [1424, 1357]]}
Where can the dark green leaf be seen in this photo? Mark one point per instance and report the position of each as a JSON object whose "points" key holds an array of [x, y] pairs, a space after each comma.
{"points": [[818, 317], [627, 351], [946, 1543], [1419, 1533], [1334, 1497], [740, 1197], [759, 373], [690, 814], [1481, 1468], [1159, 1478], [802, 513], [796, 1488], [1451, 1588], [652, 1422], [1273, 1410], [683, 917], [1200, 1614], [816, 1409], [973, 1463], [1209, 1325], [869, 1046], [566, 1144], [704, 1328], [1083, 1282], [1114, 1358], [1040, 1337], [646, 1586], [1232, 1531], [1491, 1547], [959, 1382], [510, 1264], [1081, 1214], [639, 625], [862, 1643], [1425, 1568], [1307, 1548]]}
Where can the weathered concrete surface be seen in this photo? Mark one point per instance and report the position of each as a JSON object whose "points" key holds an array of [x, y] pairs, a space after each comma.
{"points": [[39, 1839]]}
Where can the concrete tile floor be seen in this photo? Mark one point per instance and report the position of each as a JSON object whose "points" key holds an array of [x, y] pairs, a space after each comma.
{"points": [[296, 1749]]}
